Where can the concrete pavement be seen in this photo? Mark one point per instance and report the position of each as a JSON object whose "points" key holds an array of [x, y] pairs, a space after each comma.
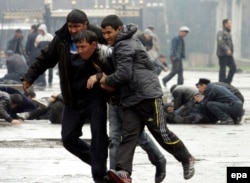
{"points": [[32, 152]]}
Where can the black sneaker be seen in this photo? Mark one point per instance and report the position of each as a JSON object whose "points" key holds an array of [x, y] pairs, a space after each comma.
{"points": [[238, 120], [160, 173], [188, 168], [120, 176], [106, 179], [98, 181]]}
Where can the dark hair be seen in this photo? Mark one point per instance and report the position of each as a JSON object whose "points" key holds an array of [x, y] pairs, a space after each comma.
{"points": [[87, 35], [202, 81], [173, 88], [77, 16], [225, 21], [18, 31], [34, 27], [111, 20], [16, 99]]}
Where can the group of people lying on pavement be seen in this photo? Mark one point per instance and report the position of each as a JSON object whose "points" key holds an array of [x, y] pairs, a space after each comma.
{"points": [[15, 106], [208, 102]]}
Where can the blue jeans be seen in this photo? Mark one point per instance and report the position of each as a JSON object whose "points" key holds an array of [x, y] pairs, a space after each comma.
{"points": [[115, 124]]}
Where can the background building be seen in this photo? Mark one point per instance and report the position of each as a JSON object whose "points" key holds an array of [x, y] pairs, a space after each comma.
{"points": [[204, 17]]}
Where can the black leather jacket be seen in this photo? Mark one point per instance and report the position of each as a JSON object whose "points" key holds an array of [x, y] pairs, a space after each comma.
{"points": [[58, 52]]}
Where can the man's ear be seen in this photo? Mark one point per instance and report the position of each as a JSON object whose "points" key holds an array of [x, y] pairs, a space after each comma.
{"points": [[94, 44], [119, 28]]}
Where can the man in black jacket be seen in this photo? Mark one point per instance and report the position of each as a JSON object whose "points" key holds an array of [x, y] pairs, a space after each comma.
{"points": [[220, 101], [16, 43], [233, 89], [80, 103], [30, 45], [141, 99]]}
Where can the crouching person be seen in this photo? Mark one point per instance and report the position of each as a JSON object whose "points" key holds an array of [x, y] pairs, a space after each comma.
{"points": [[220, 101], [7, 103]]}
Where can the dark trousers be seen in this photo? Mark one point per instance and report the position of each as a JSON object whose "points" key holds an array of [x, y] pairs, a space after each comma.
{"points": [[223, 111], [150, 113], [41, 81], [226, 61], [145, 141], [39, 113], [42, 78], [50, 75], [158, 69], [177, 68], [72, 122]]}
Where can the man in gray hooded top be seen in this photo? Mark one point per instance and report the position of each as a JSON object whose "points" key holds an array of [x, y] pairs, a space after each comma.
{"points": [[140, 93]]}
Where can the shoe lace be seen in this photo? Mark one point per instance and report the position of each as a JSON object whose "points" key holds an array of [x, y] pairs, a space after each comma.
{"points": [[123, 173]]}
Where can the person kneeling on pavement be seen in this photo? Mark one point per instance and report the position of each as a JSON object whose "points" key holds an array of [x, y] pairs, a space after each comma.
{"points": [[8, 102], [183, 109], [220, 101], [26, 104], [48, 108]]}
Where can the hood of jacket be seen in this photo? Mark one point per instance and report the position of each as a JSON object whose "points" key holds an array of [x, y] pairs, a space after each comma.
{"points": [[43, 27], [126, 32]]}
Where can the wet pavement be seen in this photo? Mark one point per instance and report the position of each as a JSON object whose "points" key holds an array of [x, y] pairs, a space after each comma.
{"points": [[32, 152]]}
